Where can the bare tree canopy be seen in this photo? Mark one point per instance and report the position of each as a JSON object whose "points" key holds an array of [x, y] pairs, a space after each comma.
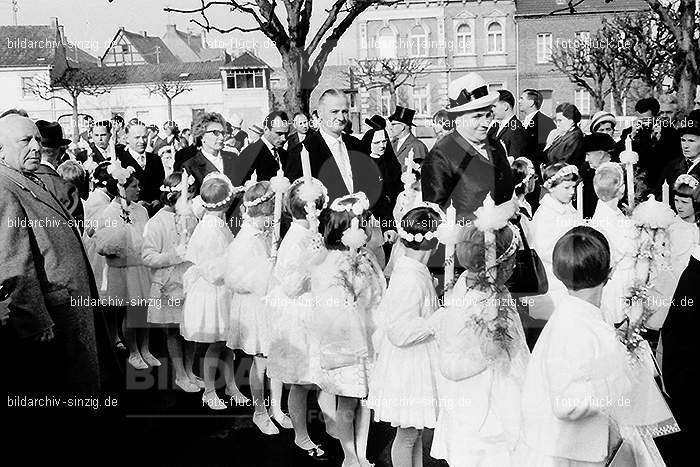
{"points": [[388, 73], [169, 87]]}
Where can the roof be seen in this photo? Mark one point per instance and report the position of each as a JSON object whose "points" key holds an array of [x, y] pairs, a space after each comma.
{"points": [[545, 7], [247, 60], [37, 46], [151, 48], [194, 42], [152, 73]]}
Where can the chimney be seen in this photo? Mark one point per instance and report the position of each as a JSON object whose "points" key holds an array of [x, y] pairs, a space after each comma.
{"points": [[62, 33], [144, 33], [170, 28], [53, 21], [204, 39]]}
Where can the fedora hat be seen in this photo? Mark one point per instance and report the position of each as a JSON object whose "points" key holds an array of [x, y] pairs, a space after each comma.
{"points": [[469, 92], [403, 115], [376, 122], [51, 134]]}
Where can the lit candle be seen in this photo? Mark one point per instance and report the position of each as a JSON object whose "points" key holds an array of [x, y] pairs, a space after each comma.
{"points": [[628, 143], [354, 227], [450, 248], [665, 196], [579, 199], [279, 194], [254, 177], [305, 164]]}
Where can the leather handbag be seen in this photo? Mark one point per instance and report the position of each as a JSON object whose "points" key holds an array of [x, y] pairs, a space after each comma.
{"points": [[529, 277]]}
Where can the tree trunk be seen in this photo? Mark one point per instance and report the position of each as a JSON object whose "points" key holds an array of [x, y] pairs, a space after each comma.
{"points": [[76, 128], [300, 82], [599, 102], [686, 91], [392, 96], [170, 108]]}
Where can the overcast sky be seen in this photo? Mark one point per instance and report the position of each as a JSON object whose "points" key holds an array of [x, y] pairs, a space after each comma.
{"points": [[92, 24]]}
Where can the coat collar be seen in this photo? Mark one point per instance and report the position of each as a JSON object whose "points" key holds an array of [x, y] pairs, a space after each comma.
{"points": [[464, 144], [36, 191], [551, 203]]}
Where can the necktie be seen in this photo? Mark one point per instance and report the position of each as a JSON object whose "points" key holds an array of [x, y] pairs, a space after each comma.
{"points": [[275, 154], [343, 165]]}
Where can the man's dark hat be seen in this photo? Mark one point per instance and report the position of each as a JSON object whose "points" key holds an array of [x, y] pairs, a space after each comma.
{"points": [[51, 134], [376, 122], [598, 142], [690, 125], [403, 115]]}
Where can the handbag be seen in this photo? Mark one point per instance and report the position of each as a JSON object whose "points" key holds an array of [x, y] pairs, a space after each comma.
{"points": [[529, 277]]}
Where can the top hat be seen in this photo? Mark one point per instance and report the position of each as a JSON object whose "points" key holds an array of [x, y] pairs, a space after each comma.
{"points": [[51, 134], [690, 125], [376, 122], [403, 115], [469, 92]]}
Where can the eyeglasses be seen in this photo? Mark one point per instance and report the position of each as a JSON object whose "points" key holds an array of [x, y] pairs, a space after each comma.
{"points": [[216, 133]]}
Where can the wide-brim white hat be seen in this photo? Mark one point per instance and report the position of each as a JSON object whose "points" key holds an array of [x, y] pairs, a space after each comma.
{"points": [[469, 92]]}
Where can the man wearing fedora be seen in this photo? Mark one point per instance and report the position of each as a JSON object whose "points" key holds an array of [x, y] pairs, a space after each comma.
{"points": [[402, 138], [465, 166], [53, 148]]}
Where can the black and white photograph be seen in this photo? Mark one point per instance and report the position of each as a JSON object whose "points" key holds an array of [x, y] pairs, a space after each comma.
{"points": [[349, 233]]}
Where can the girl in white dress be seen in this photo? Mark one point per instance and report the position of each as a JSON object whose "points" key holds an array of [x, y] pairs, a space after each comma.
{"points": [[97, 201], [347, 288], [205, 315], [554, 217], [482, 357], [402, 390], [581, 379], [164, 246], [293, 354], [249, 266], [119, 237]]}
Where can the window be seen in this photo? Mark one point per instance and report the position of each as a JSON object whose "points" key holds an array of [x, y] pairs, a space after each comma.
{"points": [[582, 100], [386, 44], [196, 112], [419, 42], [244, 79], [493, 87], [544, 47], [384, 102], [142, 115], [28, 87], [464, 39], [125, 48], [494, 38], [420, 100]]}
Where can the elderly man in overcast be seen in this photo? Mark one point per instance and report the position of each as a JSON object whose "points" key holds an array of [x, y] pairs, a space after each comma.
{"points": [[48, 332]]}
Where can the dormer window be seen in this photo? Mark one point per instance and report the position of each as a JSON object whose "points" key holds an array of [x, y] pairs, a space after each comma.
{"points": [[245, 79]]}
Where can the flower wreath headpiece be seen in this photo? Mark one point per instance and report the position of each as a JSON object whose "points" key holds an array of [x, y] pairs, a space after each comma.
{"points": [[173, 189], [530, 171], [493, 217], [309, 193], [685, 179], [419, 237], [118, 172], [231, 190], [260, 199], [561, 173], [357, 208], [617, 167]]}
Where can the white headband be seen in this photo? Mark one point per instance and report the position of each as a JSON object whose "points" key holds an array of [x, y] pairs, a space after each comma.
{"points": [[561, 173], [172, 189], [231, 190], [357, 208], [419, 237]]}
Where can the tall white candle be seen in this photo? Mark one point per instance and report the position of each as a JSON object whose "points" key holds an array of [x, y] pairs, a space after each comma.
{"points": [[450, 248], [278, 209], [306, 164], [665, 195], [579, 199]]}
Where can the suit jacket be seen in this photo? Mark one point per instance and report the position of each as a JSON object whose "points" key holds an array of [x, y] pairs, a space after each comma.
{"points": [[150, 177], [455, 171], [420, 151], [568, 148], [65, 192], [43, 252], [258, 157], [97, 156], [671, 172], [513, 137], [654, 155], [293, 141], [537, 131], [184, 154], [365, 173]]}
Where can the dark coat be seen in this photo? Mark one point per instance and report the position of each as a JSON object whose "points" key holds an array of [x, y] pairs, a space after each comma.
{"points": [[184, 154], [65, 192], [390, 169], [365, 173], [97, 156], [420, 151], [537, 131], [258, 158], [293, 141], [455, 171], [654, 155], [513, 137], [681, 351], [44, 254], [568, 148], [150, 177]]}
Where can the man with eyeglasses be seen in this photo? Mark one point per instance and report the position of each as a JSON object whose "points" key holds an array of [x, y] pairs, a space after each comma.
{"points": [[465, 166], [267, 155]]}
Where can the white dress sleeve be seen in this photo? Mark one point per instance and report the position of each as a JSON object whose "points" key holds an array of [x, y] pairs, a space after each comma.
{"points": [[155, 253], [402, 306], [248, 266]]}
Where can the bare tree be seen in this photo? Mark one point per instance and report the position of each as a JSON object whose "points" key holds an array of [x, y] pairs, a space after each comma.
{"points": [[387, 74], [290, 35], [169, 88], [681, 19], [74, 82], [592, 65]]}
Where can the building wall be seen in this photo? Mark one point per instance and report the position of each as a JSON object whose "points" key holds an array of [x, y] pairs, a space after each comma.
{"points": [[11, 94]]}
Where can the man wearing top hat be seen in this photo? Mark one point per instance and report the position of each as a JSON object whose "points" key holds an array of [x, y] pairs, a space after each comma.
{"points": [[465, 166], [53, 148], [402, 138]]}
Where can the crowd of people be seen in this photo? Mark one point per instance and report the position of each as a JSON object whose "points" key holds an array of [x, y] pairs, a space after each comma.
{"points": [[329, 260]]}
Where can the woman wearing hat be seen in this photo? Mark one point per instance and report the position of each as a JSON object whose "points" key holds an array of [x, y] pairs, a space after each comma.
{"points": [[603, 122], [375, 142], [565, 143]]}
